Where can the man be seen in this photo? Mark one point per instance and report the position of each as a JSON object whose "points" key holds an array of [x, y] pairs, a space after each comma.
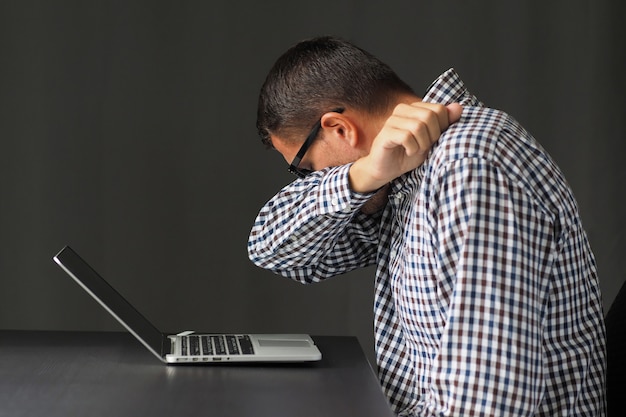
{"points": [[487, 299]]}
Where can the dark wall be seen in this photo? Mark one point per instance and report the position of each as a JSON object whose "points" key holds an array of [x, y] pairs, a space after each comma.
{"points": [[128, 132]]}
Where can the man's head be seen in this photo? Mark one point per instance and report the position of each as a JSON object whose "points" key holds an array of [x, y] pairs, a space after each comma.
{"points": [[318, 76]]}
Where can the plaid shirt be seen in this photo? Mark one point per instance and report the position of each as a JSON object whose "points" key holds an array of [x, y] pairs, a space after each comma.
{"points": [[487, 300]]}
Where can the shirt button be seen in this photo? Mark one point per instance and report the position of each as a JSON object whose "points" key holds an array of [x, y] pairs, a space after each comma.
{"points": [[334, 202]]}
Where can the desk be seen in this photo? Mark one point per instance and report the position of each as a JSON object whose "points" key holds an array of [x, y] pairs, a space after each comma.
{"points": [[111, 374]]}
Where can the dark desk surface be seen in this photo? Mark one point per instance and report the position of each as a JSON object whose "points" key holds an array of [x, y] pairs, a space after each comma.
{"points": [[112, 374]]}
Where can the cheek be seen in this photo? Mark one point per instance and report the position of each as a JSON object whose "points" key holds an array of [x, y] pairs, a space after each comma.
{"points": [[324, 158], [287, 150], [342, 156], [327, 155]]}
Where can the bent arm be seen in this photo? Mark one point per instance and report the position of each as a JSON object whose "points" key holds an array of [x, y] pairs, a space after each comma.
{"points": [[313, 229]]}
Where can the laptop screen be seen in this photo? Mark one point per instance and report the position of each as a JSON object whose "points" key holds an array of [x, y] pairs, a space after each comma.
{"points": [[110, 299]]}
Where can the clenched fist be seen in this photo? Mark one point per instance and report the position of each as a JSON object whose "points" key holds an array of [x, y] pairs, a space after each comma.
{"points": [[402, 144]]}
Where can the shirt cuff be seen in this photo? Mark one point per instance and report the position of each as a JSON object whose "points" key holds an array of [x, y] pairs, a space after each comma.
{"points": [[335, 195]]}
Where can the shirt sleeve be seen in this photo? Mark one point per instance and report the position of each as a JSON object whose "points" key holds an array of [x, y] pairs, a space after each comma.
{"points": [[495, 250], [313, 229]]}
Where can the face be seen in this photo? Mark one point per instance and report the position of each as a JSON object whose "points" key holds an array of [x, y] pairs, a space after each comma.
{"points": [[337, 139], [325, 151]]}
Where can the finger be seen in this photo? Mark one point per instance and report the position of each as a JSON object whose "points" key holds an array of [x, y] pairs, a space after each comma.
{"points": [[413, 138], [423, 137], [454, 112], [440, 111], [423, 124]]}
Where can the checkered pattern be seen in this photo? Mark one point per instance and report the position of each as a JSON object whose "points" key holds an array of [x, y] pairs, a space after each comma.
{"points": [[487, 300]]}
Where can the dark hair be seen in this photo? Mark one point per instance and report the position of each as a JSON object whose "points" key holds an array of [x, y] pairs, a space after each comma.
{"points": [[316, 76]]}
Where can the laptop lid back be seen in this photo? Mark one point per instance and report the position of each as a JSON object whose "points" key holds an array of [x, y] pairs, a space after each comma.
{"points": [[112, 301]]}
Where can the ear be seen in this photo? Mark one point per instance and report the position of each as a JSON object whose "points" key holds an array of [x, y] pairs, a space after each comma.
{"points": [[341, 126]]}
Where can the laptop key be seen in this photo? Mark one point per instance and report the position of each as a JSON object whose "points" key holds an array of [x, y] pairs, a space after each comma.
{"points": [[231, 343], [246, 345], [183, 346], [194, 345], [207, 347], [219, 344]]}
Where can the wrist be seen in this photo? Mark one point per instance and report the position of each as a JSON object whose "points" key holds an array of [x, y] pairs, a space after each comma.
{"points": [[361, 180]]}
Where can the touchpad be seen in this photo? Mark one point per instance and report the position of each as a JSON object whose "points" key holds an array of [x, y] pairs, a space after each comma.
{"points": [[283, 343]]}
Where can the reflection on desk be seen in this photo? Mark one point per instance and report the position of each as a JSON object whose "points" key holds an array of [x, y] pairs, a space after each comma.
{"points": [[110, 374]]}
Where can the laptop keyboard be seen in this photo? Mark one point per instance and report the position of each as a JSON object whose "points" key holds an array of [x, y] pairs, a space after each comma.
{"points": [[199, 345]]}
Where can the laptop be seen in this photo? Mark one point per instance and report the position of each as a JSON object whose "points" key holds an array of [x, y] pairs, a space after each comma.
{"points": [[187, 347]]}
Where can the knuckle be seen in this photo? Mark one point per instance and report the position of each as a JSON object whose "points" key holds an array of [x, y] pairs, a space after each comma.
{"points": [[420, 128]]}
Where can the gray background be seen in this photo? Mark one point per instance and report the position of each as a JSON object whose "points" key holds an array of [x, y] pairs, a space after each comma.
{"points": [[128, 132]]}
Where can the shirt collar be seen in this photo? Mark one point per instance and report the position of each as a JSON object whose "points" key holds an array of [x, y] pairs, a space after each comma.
{"points": [[448, 88]]}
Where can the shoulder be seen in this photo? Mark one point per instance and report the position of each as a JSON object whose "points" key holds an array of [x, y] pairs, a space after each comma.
{"points": [[497, 140], [488, 134]]}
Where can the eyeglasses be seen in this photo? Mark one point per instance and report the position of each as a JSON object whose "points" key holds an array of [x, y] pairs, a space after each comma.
{"points": [[293, 167]]}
